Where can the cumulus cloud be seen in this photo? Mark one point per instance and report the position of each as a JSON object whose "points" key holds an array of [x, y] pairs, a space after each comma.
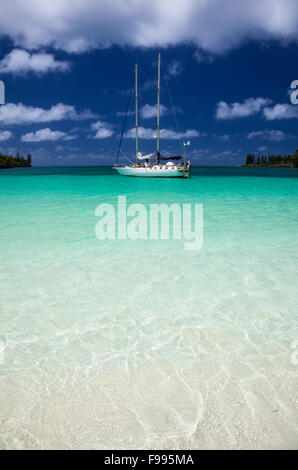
{"points": [[147, 133], [143, 133], [79, 45], [103, 130], [45, 134], [149, 111], [13, 114], [237, 110], [5, 135], [21, 62], [281, 111], [274, 135], [215, 26]]}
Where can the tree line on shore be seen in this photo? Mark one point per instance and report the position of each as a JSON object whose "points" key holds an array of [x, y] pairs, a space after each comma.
{"points": [[272, 160], [19, 160]]}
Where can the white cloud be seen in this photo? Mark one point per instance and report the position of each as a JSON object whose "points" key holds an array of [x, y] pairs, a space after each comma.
{"points": [[201, 56], [45, 134], [147, 133], [199, 153], [5, 135], [150, 84], [79, 45], [274, 135], [227, 155], [225, 138], [21, 62], [123, 113], [175, 69], [215, 26], [238, 110], [252, 106], [103, 130], [61, 155], [169, 134], [103, 133], [281, 111], [11, 114], [143, 133], [148, 111]]}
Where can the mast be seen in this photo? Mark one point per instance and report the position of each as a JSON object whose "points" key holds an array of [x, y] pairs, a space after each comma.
{"points": [[137, 124], [158, 106]]}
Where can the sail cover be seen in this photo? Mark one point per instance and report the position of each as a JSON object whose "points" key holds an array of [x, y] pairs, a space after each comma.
{"points": [[176, 157], [159, 156], [145, 157]]}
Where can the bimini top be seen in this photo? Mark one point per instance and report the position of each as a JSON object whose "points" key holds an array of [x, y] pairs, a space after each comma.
{"points": [[162, 157]]}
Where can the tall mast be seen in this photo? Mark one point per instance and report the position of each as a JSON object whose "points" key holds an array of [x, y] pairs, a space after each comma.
{"points": [[158, 105], [137, 124]]}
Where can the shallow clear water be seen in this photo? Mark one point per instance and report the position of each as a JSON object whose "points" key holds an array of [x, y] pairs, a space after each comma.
{"points": [[141, 344]]}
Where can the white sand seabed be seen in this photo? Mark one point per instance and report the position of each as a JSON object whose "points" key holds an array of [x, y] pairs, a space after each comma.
{"points": [[153, 406]]}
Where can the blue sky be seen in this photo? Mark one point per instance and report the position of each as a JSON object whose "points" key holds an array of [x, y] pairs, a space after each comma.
{"points": [[68, 67]]}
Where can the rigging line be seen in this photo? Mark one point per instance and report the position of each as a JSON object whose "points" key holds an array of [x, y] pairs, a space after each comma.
{"points": [[125, 156], [124, 123], [141, 105], [173, 108], [152, 84]]}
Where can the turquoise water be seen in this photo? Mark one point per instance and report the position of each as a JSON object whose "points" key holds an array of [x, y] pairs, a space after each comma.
{"points": [[141, 344]]}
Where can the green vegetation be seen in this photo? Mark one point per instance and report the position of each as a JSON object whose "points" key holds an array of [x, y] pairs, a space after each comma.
{"points": [[15, 162], [289, 161]]}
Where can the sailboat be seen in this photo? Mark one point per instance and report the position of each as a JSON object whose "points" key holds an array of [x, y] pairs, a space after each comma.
{"points": [[154, 165]]}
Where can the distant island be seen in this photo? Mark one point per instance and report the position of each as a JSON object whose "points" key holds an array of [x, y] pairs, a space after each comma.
{"points": [[286, 161], [15, 162]]}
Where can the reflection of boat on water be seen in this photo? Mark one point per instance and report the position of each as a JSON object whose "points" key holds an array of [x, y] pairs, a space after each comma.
{"points": [[151, 165]]}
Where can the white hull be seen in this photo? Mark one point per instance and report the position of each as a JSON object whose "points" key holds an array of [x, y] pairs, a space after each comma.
{"points": [[153, 172]]}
